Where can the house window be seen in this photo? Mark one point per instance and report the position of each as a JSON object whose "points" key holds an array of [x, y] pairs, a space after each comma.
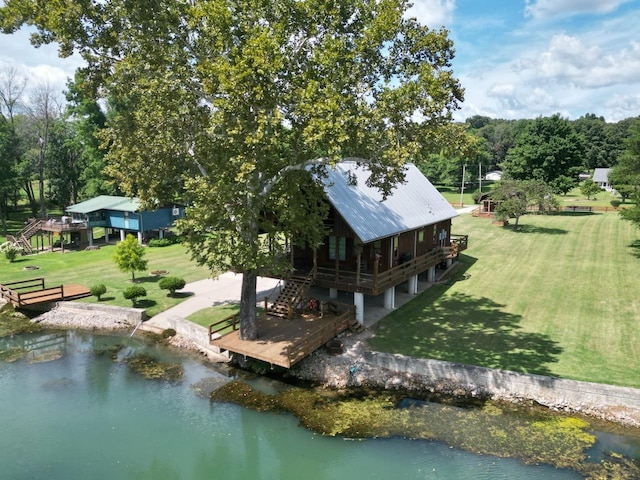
{"points": [[342, 248], [421, 236]]}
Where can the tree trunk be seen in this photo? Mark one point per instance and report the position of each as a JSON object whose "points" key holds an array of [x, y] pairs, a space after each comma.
{"points": [[248, 318]]}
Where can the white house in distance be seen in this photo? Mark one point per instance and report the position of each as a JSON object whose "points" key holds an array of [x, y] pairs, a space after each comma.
{"points": [[601, 178], [493, 176]]}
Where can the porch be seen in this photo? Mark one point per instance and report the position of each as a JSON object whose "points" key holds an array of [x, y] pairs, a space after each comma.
{"points": [[377, 282], [283, 341]]}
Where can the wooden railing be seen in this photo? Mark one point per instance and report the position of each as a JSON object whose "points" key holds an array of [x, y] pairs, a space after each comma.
{"points": [[12, 292], [227, 325], [317, 337]]}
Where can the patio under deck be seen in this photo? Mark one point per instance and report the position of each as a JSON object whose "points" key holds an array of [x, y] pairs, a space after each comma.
{"points": [[284, 342]]}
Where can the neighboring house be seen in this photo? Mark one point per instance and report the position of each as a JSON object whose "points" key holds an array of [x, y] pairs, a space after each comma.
{"points": [[121, 214], [601, 178], [493, 176], [374, 245]]}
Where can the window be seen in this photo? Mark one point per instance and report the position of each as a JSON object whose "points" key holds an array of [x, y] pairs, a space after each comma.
{"points": [[421, 236], [342, 248]]}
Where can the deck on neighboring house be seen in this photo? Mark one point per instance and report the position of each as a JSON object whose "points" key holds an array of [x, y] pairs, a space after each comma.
{"points": [[284, 341], [31, 292]]}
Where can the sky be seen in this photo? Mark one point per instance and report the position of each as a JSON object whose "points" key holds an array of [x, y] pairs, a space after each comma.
{"points": [[514, 58]]}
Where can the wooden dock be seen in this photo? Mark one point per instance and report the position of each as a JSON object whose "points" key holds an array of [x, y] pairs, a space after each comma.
{"points": [[27, 293], [283, 341]]}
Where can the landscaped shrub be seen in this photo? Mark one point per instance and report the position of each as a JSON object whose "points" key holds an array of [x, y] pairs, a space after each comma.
{"points": [[134, 292], [10, 250], [98, 290], [164, 242], [615, 203], [168, 332], [172, 284]]}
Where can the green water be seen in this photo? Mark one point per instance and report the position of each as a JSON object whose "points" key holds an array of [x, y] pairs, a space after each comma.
{"points": [[82, 416]]}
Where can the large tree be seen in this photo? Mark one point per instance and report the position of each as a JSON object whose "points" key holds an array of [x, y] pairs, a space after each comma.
{"points": [[227, 103], [625, 176], [514, 198], [549, 150]]}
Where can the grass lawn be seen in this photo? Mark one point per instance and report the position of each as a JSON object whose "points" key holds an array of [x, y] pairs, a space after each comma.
{"points": [[558, 297], [211, 315], [93, 267]]}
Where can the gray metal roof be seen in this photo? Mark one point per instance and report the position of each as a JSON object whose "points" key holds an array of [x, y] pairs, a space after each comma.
{"points": [[411, 205], [601, 175], [106, 202]]}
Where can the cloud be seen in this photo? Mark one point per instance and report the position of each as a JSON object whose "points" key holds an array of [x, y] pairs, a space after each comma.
{"points": [[542, 9], [433, 13], [568, 60]]}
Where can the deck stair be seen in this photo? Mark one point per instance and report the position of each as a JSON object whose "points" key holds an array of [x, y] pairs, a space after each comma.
{"points": [[23, 237], [355, 326], [290, 296]]}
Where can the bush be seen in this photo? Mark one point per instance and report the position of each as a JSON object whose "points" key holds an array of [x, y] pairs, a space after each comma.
{"points": [[10, 250], [98, 290], [133, 293], [168, 332], [615, 203], [164, 242], [172, 284]]}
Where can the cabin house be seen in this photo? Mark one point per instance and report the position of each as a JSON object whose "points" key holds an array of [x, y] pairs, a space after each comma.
{"points": [[122, 214], [601, 178], [373, 244]]}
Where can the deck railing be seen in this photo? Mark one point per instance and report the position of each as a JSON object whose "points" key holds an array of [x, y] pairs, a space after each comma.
{"points": [[226, 325]]}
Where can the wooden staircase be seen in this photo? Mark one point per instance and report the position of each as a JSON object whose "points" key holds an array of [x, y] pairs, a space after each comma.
{"points": [[290, 296], [23, 236]]}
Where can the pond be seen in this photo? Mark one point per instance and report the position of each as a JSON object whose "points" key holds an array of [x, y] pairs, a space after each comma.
{"points": [[73, 408]]}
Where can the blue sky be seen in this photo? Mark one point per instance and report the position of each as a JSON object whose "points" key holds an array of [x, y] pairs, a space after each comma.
{"points": [[515, 58]]}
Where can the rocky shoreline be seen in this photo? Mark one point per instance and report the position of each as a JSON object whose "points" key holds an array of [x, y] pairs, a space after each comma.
{"points": [[338, 371]]}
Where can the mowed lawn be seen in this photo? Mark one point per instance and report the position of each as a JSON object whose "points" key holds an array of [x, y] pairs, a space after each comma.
{"points": [[90, 268], [558, 297]]}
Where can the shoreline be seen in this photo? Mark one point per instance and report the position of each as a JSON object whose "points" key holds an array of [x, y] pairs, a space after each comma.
{"points": [[348, 369]]}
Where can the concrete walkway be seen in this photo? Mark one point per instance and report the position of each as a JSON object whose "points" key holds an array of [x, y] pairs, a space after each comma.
{"points": [[208, 293]]}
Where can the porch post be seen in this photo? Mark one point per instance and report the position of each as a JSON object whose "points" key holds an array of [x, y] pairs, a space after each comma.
{"points": [[449, 262], [358, 260], [90, 235], [431, 274], [333, 293], [358, 301], [413, 285], [161, 233], [122, 235], [390, 298], [106, 235], [140, 238]]}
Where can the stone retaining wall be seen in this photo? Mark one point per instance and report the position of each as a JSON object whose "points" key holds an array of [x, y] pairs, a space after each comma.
{"points": [[613, 403], [197, 334], [133, 316]]}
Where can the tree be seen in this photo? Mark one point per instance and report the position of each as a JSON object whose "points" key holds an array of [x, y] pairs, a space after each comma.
{"points": [[172, 284], [129, 256], [589, 188], [625, 176], [513, 198], [547, 150], [133, 293], [231, 104]]}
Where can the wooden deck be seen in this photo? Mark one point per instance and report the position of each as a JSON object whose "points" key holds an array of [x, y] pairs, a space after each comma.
{"points": [[284, 342], [32, 292]]}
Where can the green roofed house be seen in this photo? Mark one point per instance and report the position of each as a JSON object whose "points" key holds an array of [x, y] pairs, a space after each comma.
{"points": [[122, 214], [112, 213]]}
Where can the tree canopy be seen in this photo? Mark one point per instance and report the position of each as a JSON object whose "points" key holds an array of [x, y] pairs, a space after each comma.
{"points": [[550, 150], [626, 175], [513, 198], [225, 103]]}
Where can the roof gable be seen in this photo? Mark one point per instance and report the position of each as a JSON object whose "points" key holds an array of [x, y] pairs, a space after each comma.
{"points": [[411, 205], [601, 175], [106, 202]]}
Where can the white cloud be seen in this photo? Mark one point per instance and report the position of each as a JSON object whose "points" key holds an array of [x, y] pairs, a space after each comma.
{"points": [[433, 13], [541, 9], [568, 60]]}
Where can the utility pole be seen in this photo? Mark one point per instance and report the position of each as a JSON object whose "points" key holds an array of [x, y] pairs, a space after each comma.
{"points": [[464, 168]]}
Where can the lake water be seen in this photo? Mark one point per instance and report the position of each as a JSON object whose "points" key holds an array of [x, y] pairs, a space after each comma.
{"points": [[83, 416]]}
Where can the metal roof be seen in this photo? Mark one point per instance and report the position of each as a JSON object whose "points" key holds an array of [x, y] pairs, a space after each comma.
{"points": [[411, 205], [601, 175], [106, 202]]}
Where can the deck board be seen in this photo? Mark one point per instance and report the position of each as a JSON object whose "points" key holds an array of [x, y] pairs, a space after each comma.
{"points": [[278, 336]]}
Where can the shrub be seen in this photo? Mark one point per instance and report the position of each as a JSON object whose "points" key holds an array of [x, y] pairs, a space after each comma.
{"points": [[172, 284], [134, 292], [98, 290], [10, 250], [164, 242], [615, 203], [168, 332]]}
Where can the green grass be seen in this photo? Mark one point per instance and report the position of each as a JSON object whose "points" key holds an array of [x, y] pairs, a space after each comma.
{"points": [[211, 315], [93, 267], [559, 297]]}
